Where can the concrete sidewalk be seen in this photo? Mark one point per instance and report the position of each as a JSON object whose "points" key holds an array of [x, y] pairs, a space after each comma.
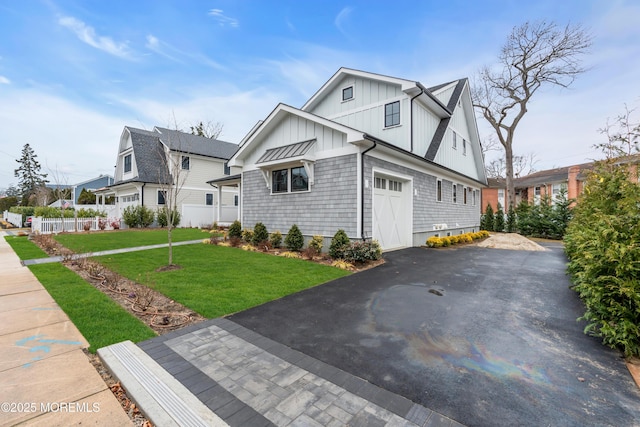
{"points": [[45, 376]]}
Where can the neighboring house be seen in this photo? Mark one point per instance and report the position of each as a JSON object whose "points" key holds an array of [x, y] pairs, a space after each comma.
{"points": [[142, 173], [536, 186], [90, 185], [378, 156]]}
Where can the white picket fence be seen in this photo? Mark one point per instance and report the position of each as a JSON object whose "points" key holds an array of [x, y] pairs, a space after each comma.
{"points": [[60, 225], [13, 218]]}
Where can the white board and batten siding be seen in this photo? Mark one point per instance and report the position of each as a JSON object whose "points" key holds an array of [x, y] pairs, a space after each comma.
{"points": [[425, 124], [365, 111], [292, 129], [456, 158]]}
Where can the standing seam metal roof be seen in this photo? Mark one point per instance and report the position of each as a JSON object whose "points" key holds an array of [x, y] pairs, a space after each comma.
{"points": [[287, 151]]}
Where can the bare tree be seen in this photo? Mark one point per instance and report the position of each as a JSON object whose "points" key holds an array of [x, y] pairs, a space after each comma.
{"points": [[522, 165], [623, 135], [208, 130], [535, 55], [171, 179]]}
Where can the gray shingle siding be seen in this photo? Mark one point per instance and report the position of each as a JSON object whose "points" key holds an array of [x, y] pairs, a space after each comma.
{"points": [[426, 210], [331, 204]]}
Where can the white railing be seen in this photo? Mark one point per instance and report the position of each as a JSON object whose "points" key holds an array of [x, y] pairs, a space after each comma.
{"points": [[60, 225], [13, 218]]}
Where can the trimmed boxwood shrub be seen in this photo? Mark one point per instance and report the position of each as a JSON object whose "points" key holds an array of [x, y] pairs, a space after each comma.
{"points": [[294, 240], [363, 251]]}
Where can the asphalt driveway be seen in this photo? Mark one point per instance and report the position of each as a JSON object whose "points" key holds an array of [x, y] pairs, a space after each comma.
{"points": [[484, 336]]}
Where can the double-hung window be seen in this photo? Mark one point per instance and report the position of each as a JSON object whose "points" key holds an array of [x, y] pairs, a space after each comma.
{"points": [[186, 163], [392, 114], [127, 163]]}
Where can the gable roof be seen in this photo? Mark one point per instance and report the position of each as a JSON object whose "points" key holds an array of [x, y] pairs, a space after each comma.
{"points": [[280, 111], [411, 87]]}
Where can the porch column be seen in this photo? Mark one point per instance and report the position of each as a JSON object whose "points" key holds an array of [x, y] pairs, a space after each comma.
{"points": [[219, 207]]}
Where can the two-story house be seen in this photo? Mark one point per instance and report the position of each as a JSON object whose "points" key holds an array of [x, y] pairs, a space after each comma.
{"points": [[150, 163], [378, 156]]}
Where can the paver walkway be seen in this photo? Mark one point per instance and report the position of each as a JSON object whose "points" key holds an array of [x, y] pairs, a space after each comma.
{"points": [[247, 379]]}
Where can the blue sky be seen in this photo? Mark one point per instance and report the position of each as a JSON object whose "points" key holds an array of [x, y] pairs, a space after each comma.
{"points": [[74, 73]]}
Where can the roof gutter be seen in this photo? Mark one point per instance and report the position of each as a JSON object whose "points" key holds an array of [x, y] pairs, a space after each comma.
{"points": [[375, 143]]}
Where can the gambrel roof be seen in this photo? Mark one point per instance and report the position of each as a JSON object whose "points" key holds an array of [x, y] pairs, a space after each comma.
{"points": [[149, 151]]}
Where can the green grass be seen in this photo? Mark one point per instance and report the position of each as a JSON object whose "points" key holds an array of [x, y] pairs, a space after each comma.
{"points": [[103, 241], [100, 320], [215, 281], [25, 248]]}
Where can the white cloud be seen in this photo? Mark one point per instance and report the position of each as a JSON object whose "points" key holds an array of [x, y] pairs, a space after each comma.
{"points": [[4, 80], [341, 20], [88, 35], [223, 20], [168, 51], [77, 142], [236, 110], [154, 44]]}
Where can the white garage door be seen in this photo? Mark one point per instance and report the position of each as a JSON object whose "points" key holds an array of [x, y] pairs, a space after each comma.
{"points": [[391, 212]]}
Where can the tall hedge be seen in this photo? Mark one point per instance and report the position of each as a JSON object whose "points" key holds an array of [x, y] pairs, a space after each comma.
{"points": [[603, 245]]}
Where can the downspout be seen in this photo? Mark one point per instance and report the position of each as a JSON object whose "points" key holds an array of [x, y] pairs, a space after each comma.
{"points": [[365, 136], [411, 118]]}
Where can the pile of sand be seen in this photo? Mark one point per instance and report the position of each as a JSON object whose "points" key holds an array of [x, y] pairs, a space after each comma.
{"points": [[511, 241]]}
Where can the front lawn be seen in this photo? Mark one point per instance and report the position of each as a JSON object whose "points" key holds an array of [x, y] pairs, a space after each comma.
{"points": [[117, 239], [215, 280], [24, 248], [100, 320]]}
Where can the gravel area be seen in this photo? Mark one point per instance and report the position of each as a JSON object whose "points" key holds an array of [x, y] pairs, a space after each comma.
{"points": [[512, 241]]}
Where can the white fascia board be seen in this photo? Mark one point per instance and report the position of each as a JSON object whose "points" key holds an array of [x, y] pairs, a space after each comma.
{"points": [[405, 85]]}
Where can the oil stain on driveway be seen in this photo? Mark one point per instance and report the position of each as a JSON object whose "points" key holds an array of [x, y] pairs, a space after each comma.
{"points": [[484, 336]]}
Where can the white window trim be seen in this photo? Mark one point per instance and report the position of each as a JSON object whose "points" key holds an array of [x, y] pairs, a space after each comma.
{"points": [[124, 155], [384, 114], [454, 140], [307, 161], [454, 193], [438, 180], [268, 176], [213, 199], [353, 93]]}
